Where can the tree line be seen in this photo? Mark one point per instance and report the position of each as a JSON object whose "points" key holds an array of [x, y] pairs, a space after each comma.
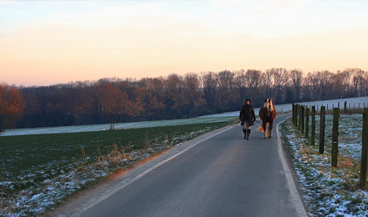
{"points": [[112, 100]]}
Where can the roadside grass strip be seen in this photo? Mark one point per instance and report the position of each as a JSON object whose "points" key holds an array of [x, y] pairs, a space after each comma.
{"points": [[329, 191], [40, 171]]}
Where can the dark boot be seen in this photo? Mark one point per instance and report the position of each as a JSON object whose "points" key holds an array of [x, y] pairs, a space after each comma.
{"points": [[248, 133], [245, 133]]}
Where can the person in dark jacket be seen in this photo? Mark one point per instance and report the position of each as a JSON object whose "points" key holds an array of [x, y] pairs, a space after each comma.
{"points": [[247, 118]]}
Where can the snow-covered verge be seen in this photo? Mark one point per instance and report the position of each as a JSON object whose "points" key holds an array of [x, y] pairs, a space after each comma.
{"points": [[329, 191]]}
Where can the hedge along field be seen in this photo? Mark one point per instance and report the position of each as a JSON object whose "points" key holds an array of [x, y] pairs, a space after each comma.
{"points": [[38, 171]]}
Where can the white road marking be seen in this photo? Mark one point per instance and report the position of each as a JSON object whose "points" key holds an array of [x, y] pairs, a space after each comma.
{"points": [[300, 209]]}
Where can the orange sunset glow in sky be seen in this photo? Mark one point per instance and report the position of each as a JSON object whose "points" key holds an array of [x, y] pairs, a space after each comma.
{"points": [[52, 42]]}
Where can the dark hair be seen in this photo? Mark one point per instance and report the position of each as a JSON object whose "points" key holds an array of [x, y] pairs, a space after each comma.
{"points": [[247, 101]]}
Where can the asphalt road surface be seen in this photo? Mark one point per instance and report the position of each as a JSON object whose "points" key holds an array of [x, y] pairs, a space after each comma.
{"points": [[218, 174]]}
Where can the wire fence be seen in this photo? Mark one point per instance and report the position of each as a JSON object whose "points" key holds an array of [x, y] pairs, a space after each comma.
{"points": [[304, 119]]}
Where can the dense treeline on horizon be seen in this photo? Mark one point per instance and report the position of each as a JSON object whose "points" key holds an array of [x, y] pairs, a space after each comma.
{"points": [[113, 100]]}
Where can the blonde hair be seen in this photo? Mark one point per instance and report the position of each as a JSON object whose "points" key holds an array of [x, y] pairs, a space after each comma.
{"points": [[268, 103]]}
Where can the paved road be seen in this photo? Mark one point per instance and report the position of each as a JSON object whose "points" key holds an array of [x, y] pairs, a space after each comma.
{"points": [[220, 175]]}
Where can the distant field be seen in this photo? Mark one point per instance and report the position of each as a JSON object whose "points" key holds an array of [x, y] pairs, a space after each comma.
{"points": [[128, 125], [53, 166]]}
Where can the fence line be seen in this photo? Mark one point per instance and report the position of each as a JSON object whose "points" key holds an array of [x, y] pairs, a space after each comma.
{"points": [[301, 112], [345, 106], [364, 159]]}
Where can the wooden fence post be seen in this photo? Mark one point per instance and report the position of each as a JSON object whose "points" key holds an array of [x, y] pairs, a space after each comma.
{"points": [[364, 159], [299, 116], [335, 137], [295, 115], [307, 122], [322, 131], [293, 112], [345, 108], [313, 133], [302, 119]]}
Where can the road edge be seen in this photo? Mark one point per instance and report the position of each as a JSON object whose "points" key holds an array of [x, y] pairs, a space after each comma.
{"points": [[294, 193]]}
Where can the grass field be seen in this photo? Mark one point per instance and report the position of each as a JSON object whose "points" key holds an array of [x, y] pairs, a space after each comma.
{"points": [[54, 166]]}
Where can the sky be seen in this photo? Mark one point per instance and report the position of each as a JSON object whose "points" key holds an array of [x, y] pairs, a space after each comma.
{"points": [[51, 42]]}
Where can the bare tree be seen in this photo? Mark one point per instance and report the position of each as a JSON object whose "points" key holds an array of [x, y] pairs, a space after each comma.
{"points": [[149, 96], [268, 83], [281, 78], [174, 89], [358, 82], [254, 80], [296, 77], [365, 84], [277, 79], [240, 85], [346, 87], [337, 82], [226, 84], [192, 96], [320, 83], [11, 106], [210, 89]]}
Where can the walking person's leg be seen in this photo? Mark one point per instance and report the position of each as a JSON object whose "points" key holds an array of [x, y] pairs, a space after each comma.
{"points": [[245, 130], [248, 128], [248, 132]]}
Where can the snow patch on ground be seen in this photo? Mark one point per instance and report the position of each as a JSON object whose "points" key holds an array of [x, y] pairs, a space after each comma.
{"points": [[330, 191]]}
